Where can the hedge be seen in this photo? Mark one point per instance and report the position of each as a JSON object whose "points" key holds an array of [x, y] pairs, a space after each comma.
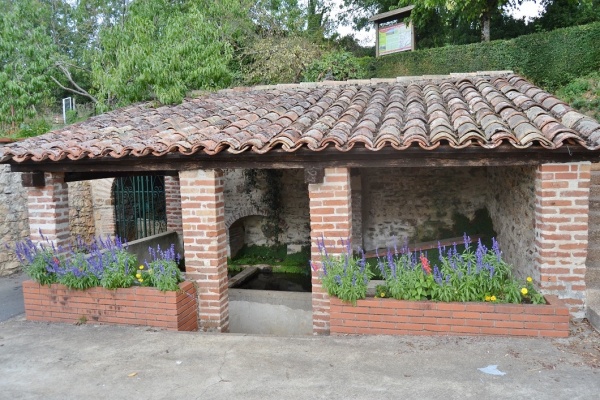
{"points": [[549, 59]]}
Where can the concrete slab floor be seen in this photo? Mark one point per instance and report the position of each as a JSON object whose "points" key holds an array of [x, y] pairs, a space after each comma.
{"points": [[60, 361]]}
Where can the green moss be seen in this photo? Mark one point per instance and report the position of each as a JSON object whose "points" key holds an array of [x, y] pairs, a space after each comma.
{"points": [[272, 255]]}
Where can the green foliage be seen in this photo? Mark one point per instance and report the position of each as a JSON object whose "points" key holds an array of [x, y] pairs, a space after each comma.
{"points": [[25, 55], [565, 13], [273, 60], [548, 59], [37, 267], [475, 274], [161, 51], [583, 94], [79, 276], [339, 66], [344, 275], [272, 255], [71, 116], [119, 271], [162, 272], [103, 263], [34, 127]]}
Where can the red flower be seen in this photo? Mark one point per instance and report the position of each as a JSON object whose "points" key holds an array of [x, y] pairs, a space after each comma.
{"points": [[425, 264]]}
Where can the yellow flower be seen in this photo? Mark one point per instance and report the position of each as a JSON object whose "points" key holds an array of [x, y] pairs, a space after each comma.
{"points": [[493, 298], [488, 298], [141, 267], [141, 280], [524, 291], [138, 276], [382, 295], [529, 279]]}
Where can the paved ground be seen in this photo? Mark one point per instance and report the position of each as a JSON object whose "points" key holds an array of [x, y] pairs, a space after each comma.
{"points": [[61, 361], [11, 296]]}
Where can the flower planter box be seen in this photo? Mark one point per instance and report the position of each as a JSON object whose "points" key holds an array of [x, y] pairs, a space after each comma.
{"points": [[131, 306], [375, 316]]}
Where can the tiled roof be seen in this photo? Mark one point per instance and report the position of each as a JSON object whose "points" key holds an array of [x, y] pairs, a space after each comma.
{"points": [[460, 110]]}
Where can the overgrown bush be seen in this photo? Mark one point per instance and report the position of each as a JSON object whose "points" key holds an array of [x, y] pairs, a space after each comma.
{"points": [[583, 93], [33, 128], [549, 59], [339, 66]]}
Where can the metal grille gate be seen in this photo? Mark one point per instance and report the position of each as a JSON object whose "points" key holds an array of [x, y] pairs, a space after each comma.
{"points": [[140, 207]]}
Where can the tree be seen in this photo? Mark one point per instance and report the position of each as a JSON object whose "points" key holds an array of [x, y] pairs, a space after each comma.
{"points": [[25, 56], [472, 10], [444, 12], [564, 13], [163, 49]]}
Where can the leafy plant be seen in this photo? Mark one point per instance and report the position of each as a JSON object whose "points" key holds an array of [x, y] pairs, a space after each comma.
{"points": [[343, 276], [105, 263], [162, 272], [476, 274]]}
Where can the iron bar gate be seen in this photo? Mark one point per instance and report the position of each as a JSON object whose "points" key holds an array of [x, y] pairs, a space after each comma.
{"points": [[140, 207]]}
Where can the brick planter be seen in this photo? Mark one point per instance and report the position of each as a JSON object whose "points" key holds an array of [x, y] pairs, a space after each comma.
{"points": [[396, 317], [131, 306]]}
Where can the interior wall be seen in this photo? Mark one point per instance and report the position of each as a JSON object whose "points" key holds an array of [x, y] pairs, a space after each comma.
{"points": [[511, 203], [246, 202], [411, 205]]}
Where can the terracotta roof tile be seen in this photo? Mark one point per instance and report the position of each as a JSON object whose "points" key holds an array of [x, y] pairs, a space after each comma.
{"points": [[460, 110]]}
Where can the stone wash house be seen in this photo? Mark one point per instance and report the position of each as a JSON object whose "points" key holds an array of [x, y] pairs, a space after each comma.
{"points": [[376, 161]]}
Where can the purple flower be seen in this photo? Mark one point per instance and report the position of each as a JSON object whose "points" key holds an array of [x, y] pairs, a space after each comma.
{"points": [[496, 249], [437, 275]]}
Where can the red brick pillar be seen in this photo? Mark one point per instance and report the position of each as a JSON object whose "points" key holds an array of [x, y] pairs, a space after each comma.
{"points": [[205, 244], [49, 211], [173, 202], [330, 218], [561, 231]]}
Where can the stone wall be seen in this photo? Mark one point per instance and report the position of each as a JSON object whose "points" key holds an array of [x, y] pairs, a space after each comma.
{"points": [[81, 211], [104, 212], [244, 205], [511, 203], [414, 204], [14, 226]]}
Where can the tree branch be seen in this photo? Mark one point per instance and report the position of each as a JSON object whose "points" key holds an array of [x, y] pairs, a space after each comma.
{"points": [[78, 90]]}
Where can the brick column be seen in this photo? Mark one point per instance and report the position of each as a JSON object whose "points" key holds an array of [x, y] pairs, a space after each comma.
{"points": [[205, 244], [561, 231], [49, 212], [173, 203], [330, 218]]}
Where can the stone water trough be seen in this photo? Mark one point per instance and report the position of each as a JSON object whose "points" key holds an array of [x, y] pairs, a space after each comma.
{"points": [[279, 312]]}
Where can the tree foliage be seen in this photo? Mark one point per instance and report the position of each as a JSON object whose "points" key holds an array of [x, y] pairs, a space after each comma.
{"points": [[161, 50], [25, 55]]}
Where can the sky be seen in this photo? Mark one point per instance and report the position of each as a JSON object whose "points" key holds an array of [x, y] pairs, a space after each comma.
{"points": [[528, 9]]}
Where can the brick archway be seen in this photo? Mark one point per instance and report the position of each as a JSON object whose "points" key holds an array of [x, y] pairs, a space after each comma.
{"points": [[244, 212]]}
